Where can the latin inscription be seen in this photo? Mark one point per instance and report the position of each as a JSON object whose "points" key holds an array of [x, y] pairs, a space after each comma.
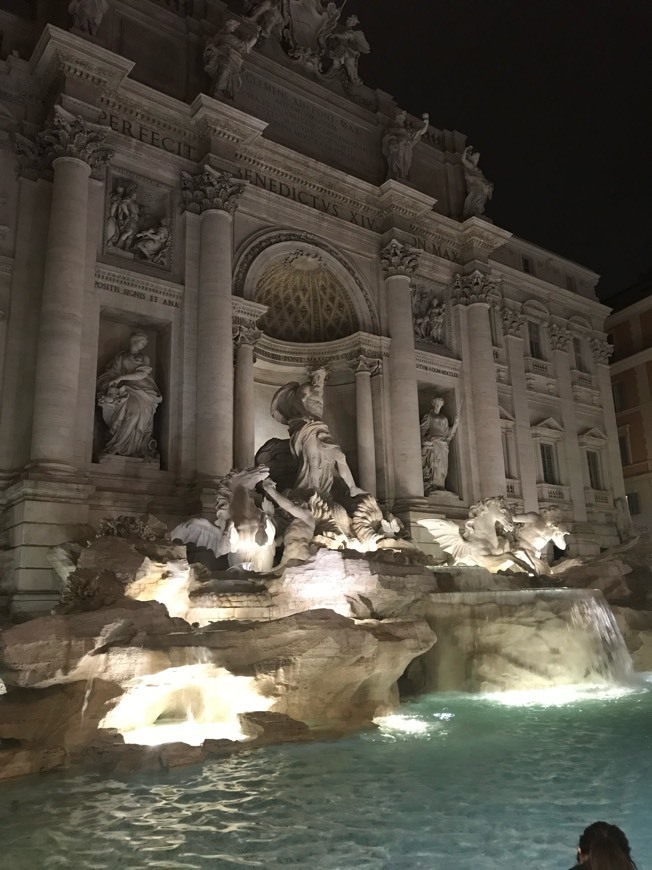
{"points": [[145, 295], [310, 128], [299, 194], [431, 247], [148, 135]]}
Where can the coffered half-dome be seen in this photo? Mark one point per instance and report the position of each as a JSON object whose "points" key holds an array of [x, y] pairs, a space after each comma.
{"points": [[307, 302]]}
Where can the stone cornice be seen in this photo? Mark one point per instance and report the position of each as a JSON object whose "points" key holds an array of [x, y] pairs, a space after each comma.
{"points": [[437, 364], [630, 362], [524, 284], [216, 119], [336, 354], [127, 283], [59, 52], [247, 313], [478, 236], [397, 199]]}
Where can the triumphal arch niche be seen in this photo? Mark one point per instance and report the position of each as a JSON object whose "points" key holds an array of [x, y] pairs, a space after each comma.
{"points": [[312, 309]]}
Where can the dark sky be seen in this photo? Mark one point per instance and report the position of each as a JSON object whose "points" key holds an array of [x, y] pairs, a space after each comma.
{"points": [[557, 97]]}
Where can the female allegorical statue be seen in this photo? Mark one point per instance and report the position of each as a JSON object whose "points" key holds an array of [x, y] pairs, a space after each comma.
{"points": [[129, 397], [436, 435]]}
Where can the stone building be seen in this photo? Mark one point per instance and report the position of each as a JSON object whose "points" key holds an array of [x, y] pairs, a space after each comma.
{"points": [[630, 332], [221, 183]]}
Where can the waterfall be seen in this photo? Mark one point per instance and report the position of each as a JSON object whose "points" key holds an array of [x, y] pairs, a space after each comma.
{"points": [[528, 639]]}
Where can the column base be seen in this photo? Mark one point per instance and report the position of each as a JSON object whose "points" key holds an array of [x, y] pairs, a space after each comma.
{"points": [[39, 513]]}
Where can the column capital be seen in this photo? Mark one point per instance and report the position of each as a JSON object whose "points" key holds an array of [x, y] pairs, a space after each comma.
{"points": [[211, 189], [559, 337], [602, 350], [67, 135], [513, 323], [246, 335], [366, 365], [398, 259], [473, 289]]}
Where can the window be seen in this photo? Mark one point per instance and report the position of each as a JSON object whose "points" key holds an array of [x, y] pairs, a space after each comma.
{"points": [[534, 335], [571, 284], [625, 450], [618, 392], [580, 358], [633, 503], [528, 266], [548, 463], [595, 474]]}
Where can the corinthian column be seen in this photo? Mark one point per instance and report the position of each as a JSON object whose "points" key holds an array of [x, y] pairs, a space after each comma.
{"points": [[215, 196], [399, 264], [244, 429], [474, 293], [364, 368], [73, 149]]}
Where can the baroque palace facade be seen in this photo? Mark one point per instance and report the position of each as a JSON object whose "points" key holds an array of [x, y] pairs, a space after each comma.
{"points": [[208, 201]]}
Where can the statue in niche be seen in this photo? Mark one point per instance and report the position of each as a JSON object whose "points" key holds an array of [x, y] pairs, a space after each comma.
{"points": [[344, 48], [430, 325], [223, 58], [129, 397], [87, 15], [271, 15], [398, 144], [320, 458], [436, 435], [479, 190], [153, 244]]}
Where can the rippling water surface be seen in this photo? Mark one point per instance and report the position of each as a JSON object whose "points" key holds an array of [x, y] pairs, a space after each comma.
{"points": [[451, 783]]}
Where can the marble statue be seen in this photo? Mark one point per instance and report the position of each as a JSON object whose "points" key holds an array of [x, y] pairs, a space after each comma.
{"points": [[299, 533], [243, 529], [127, 218], [87, 15], [223, 58], [320, 458], [534, 531], [479, 190], [344, 48], [153, 244], [479, 542], [398, 144], [436, 435], [129, 397], [271, 15], [430, 325], [112, 226]]}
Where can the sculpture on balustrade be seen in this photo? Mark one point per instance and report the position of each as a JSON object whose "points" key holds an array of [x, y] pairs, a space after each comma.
{"points": [[125, 229], [398, 144], [436, 436], [87, 15], [271, 16], [224, 55], [484, 538], [129, 397], [479, 190]]}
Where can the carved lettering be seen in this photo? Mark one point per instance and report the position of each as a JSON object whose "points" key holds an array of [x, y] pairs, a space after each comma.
{"points": [[147, 135]]}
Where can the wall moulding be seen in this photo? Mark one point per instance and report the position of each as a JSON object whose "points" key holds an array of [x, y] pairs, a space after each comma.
{"points": [[124, 283], [339, 354], [436, 364]]}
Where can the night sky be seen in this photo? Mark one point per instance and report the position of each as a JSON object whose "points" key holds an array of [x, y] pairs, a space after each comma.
{"points": [[556, 96]]}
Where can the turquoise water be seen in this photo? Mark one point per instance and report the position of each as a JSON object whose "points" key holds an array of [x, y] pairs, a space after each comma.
{"points": [[471, 785]]}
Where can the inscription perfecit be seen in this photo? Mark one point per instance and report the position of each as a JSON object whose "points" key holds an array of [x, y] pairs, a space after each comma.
{"points": [[148, 135]]}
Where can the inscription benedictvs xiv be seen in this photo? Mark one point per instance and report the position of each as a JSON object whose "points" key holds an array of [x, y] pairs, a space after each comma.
{"points": [[312, 129]]}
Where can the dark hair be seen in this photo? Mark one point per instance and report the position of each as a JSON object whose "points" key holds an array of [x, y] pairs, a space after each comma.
{"points": [[607, 847]]}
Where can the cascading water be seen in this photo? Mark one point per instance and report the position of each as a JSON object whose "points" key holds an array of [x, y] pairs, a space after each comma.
{"points": [[529, 639]]}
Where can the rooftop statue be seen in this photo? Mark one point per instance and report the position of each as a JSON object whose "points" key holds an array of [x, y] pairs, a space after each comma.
{"points": [[271, 15], [129, 397], [398, 144], [479, 542], [436, 435], [344, 48], [223, 58], [87, 15], [479, 190]]}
